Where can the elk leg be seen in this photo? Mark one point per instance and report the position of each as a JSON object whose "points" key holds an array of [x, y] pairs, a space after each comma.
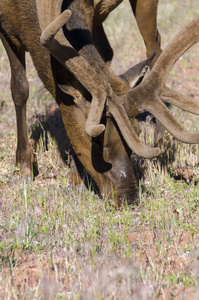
{"points": [[102, 44], [146, 17], [20, 92]]}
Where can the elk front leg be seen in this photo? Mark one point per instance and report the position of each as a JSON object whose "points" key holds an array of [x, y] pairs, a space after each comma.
{"points": [[20, 92], [145, 12]]}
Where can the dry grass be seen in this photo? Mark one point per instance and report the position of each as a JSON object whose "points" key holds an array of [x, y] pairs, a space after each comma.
{"points": [[59, 241]]}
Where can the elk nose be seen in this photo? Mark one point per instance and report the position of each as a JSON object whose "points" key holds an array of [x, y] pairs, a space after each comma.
{"points": [[119, 198]]}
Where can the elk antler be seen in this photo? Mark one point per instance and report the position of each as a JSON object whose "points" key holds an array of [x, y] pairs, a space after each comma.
{"points": [[147, 96], [62, 50], [54, 40]]}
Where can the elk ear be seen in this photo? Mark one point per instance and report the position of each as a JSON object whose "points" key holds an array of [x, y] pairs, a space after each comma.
{"points": [[135, 75], [72, 91], [65, 88]]}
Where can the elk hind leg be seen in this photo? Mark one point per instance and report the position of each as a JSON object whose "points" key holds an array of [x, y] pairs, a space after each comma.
{"points": [[146, 17]]}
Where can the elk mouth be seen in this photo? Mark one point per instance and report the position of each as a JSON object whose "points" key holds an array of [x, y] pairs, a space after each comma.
{"points": [[121, 196]]}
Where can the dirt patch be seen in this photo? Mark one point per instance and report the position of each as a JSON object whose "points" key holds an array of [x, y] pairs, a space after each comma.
{"points": [[38, 275], [174, 261]]}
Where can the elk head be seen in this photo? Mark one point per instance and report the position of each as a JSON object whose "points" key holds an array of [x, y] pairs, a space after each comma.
{"points": [[96, 119]]}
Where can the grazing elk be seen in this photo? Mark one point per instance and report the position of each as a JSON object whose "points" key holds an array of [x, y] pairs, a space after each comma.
{"points": [[97, 107]]}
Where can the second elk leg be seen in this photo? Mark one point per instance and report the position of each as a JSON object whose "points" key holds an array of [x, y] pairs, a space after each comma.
{"points": [[146, 17], [20, 93]]}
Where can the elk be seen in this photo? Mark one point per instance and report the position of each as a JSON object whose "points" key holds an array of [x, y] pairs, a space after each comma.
{"points": [[98, 108]]}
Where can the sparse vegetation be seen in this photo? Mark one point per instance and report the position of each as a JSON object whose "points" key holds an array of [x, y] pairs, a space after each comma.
{"points": [[60, 241]]}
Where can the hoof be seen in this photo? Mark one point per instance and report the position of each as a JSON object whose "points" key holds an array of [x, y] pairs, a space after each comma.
{"points": [[20, 180]]}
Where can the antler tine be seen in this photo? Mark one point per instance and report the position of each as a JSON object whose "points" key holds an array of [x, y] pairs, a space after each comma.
{"points": [[180, 43], [147, 96], [117, 110], [180, 100], [51, 30], [62, 50]]}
